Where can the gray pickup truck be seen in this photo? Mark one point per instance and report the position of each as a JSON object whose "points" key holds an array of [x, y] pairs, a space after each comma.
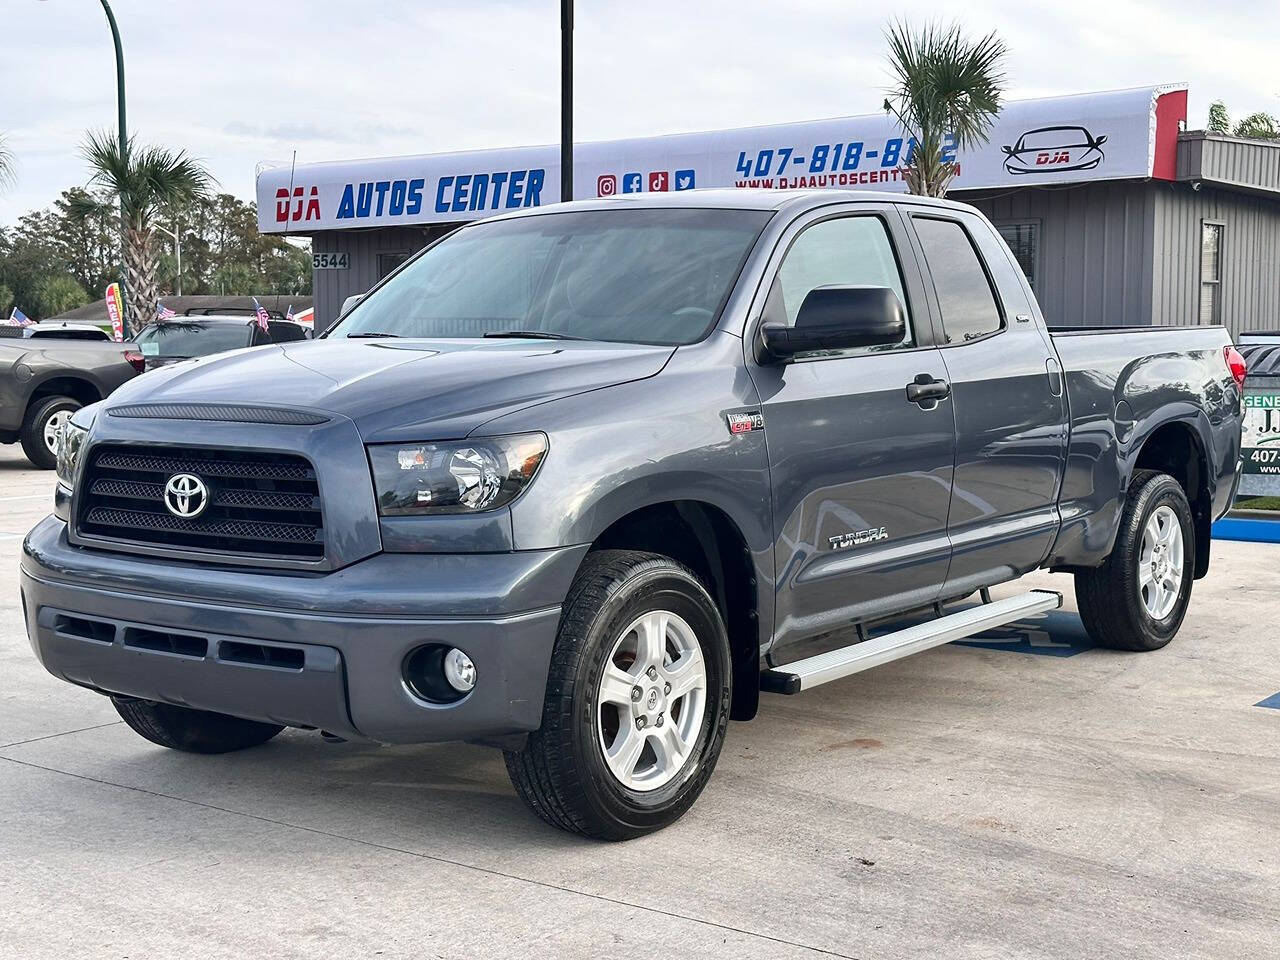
{"points": [[581, 483], [49, 371]]}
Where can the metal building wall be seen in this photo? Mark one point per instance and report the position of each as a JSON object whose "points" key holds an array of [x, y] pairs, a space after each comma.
{"points": [[1250, 255], [1095, 254], [332, 287], [1229, 161]]}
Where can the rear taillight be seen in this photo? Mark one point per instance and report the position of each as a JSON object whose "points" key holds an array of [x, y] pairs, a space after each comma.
{"points": [[137, 360], [1236, 364]]}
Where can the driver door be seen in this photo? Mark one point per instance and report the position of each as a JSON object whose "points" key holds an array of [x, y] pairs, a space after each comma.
{"points": [[861, 475]]}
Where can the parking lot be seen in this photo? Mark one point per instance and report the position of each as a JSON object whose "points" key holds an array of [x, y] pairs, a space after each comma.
{"points": [[1018, 796]]}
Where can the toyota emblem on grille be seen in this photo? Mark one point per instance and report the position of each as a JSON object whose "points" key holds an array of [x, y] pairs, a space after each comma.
{"points": [[185, 495]]}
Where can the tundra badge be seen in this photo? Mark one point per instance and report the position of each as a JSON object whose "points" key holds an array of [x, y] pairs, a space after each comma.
{"points": [[857, 538]]}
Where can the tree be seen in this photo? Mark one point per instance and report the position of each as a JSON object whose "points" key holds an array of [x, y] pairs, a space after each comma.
{"points": [[1256, 126], [946, 93], [1219, 122], [1259, 126], [58, 293], [143, 181]]}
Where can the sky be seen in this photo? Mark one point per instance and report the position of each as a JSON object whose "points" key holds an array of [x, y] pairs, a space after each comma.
{"points": [[236, 83]]}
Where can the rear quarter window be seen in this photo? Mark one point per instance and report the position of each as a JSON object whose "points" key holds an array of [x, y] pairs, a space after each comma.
{"points": [[965, 298]]}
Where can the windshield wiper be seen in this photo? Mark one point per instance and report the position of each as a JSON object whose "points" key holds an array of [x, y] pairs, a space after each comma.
{"points": [[370, 335], [530, 335]]}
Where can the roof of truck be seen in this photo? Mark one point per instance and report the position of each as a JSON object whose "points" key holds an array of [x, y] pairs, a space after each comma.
{"points": [[736, 199]]}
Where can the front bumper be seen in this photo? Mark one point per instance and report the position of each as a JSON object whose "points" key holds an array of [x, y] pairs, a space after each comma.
{"points": [[302, 649]]}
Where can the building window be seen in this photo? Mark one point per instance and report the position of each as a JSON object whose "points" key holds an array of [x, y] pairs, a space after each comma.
{"points": [[1024, 240], [389, 261], [1210, 272]]}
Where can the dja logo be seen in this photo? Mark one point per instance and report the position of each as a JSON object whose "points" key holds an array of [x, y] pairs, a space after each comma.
{"points": [[1045, 159], [312, 205]]}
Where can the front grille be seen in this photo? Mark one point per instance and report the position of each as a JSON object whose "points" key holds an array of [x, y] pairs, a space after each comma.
{"points": [[259, 504]]}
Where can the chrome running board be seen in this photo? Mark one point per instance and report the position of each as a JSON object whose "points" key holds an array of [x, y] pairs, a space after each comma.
{"points": [[825, 667]]}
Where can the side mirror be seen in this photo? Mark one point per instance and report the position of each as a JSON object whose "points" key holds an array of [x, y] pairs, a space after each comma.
{"points": [[349, 303], [837, 318], [1006, 149], [1099, 141]]}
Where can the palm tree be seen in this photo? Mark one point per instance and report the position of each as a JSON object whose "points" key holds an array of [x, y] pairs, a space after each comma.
{"points": [[143, 181], [946, 86], [6, 164]]}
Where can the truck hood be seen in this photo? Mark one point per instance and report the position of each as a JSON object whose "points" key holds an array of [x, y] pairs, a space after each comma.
{"points": [[401, 390]]}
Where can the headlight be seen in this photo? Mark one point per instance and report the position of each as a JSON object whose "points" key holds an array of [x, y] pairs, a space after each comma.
{"points": [[70, 442], [465, 476]]}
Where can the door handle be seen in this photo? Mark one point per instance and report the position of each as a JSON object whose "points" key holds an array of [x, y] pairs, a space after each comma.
{"points": [[926, 390]]}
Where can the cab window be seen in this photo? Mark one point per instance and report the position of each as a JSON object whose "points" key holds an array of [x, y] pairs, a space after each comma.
{"points": [[968, 305], [845, 251]]}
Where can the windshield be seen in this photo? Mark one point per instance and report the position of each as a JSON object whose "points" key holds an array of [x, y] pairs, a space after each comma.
{"points": [[179, 338], [642, 276]]}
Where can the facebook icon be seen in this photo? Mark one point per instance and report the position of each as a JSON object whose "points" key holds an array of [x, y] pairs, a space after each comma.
{"points": [[684, 179], [632, 183]]}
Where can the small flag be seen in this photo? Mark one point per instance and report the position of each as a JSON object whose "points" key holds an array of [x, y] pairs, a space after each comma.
{"points": [[19, 319], [261, 315], [289, 313], [163, 313]]}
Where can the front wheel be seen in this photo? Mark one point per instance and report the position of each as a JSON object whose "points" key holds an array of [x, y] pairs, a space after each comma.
{"points": [[637, 700], [1136, 600], [40, 427]]}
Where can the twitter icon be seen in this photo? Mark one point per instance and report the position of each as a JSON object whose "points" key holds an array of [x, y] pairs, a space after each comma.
{"points": [[684, 180]]}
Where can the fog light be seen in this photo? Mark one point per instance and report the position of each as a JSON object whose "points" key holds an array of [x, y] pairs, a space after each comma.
{"points": [[459, 670], [438, 673]]}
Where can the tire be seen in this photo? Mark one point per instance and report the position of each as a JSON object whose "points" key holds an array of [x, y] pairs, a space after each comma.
{"points": [[1117, 610], [562, 772], [38, 418], [192, 731]]}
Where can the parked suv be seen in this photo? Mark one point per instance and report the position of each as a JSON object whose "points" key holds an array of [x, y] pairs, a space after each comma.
{"points": [[581, 483], [201, 332]]}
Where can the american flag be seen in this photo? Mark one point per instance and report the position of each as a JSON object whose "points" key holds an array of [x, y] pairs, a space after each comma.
{"points": [[18, 319], [261, 315], [163, 313]]}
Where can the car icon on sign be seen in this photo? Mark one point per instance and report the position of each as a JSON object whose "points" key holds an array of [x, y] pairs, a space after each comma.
{"points": [[1054, 150]]}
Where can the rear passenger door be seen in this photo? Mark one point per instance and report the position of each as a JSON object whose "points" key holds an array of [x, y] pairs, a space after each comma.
{"points": [[861, 475], [1007, 394]]}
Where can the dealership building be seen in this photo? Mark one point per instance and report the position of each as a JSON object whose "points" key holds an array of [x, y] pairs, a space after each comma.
{"points": [[1116, 213]]}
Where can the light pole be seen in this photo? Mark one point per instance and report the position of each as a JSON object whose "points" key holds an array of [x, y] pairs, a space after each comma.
{"points": [[566, 100], [115, 37]]}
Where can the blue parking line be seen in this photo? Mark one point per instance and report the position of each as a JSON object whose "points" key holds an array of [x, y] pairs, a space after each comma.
{"points": [[1272, 701], [1056, 634], [1255, 531]]}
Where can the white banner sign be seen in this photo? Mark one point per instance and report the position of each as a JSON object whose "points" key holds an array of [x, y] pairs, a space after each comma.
{"points": [[1118, 135]]}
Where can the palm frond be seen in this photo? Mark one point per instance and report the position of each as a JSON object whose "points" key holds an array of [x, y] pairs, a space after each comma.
{"points": [[945, 84], [6, 164]]}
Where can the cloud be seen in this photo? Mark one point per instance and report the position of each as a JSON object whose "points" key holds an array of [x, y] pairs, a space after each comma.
{"points": [[239, 82]]}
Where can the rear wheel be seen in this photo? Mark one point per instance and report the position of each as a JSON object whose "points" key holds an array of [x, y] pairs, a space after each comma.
{"points": [[637, 700], [193, 731], [1136, 600], [39, 434]]}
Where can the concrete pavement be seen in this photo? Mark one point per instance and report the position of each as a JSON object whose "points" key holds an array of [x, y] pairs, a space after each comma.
{"points": [[1021, 797]]}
